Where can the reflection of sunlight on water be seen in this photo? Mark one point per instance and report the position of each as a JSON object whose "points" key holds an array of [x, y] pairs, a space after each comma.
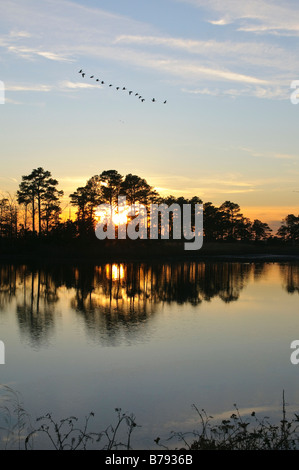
{"points": [[116, 272]]}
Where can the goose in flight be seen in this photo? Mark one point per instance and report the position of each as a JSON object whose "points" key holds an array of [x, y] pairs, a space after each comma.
{"points": [[118, 88]]}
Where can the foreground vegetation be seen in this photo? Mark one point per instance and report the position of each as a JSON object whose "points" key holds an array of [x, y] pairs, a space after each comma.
{"points": [[240, 433], [17, 431]]}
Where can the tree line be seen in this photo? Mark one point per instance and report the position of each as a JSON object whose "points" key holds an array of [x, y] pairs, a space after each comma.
{"points": [[35, 209]]}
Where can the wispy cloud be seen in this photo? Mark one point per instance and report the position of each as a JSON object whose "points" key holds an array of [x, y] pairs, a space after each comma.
{"points": [[62, 86], [83, 34], [29, 53], [256, 16], [19, 34], [31, 87], [205, 186], [53, 56], [245, 50], [221, 60], [9, 178], [11, 101], [225, 52], [265, 92], [194, 70], [221, 22], [22, 103], [269, 154], [76, 85]]}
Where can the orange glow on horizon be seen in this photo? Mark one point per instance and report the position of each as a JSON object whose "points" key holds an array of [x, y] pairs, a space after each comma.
{"points": [[272, 215], [269, 214]]}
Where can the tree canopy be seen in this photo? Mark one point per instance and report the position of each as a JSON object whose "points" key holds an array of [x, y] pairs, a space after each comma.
{"points": [[36, 209]]}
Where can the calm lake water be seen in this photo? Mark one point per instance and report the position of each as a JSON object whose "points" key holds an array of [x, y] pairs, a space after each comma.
{"points": [[151, 339]]}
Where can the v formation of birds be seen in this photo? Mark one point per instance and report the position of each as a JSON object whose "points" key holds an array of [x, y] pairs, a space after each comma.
{"points": [[131, 92]]}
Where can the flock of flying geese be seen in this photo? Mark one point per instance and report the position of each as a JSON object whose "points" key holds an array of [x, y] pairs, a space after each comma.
{"points": [[118, 88]]}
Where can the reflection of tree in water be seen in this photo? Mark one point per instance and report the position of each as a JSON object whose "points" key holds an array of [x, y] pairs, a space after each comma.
{"points": [[113, 299], [290, 276], [260, 269], [8, 283], [35, 309], [133, 288], [225, 280], [116, 299], [35, 293]]}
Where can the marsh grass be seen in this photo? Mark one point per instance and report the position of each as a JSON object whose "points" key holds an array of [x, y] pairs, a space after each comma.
{"points": [[18, 431], [15, 422], [65, 434], [239, 433]]}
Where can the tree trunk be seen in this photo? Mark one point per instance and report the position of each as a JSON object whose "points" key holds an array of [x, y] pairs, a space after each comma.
{"points": [[33, 215], [39, 216], [25, 221]]}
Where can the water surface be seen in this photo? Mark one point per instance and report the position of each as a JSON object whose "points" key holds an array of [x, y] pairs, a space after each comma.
{"points": [[151, 339]]}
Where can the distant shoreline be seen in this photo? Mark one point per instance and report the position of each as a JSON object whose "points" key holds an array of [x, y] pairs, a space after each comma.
{"points": [[156, 251]]}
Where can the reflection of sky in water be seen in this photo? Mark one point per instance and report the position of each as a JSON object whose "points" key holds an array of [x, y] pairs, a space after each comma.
{"points": [[151, 340]]}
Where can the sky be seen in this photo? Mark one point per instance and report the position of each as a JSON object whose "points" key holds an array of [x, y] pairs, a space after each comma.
{"points": [[227, 132]]}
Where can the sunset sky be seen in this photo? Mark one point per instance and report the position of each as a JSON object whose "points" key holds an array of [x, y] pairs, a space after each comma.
{"points": [[227, 132]]}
